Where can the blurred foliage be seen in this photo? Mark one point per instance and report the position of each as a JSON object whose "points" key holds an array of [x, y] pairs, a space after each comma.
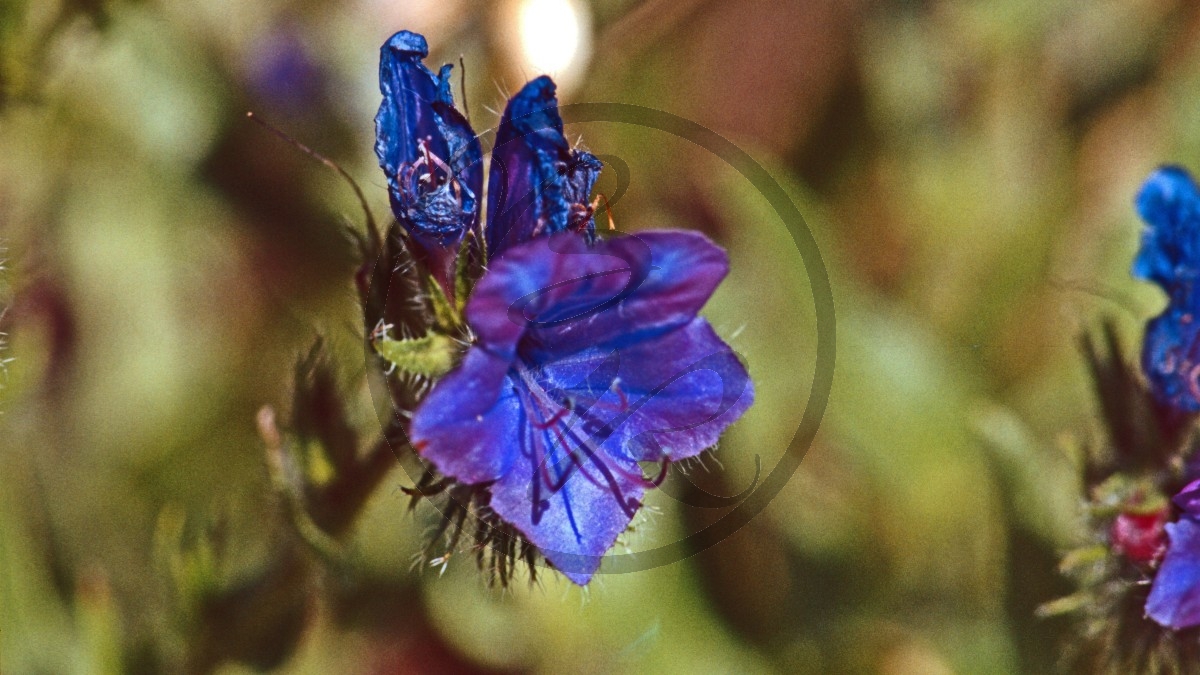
{"points": [[967, 168]]}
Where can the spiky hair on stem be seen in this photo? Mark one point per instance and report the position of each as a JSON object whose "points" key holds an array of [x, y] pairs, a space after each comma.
{"points": [[499, 548]]}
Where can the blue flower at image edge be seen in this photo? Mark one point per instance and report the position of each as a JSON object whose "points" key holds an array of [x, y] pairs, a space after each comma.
{"points": [[1174, 600], [589, 360], [1169, 203]]}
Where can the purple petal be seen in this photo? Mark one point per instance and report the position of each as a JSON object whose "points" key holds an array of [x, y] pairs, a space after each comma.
{"points": [[1174, 600], [1188, 498], [666, 398], [469, 424], [283, 71], [684, 389], [626, 290], [556, 295], [493, 311], [575, 524], [537, 181]]}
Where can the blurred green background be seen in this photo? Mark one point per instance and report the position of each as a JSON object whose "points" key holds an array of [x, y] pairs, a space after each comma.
{"points": [[967, 168]]}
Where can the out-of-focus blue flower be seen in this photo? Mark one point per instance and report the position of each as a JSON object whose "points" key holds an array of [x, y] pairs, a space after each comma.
{"points": [[1174, 600], [538, 184], [430, 155], [589, 359], [1169, 202], [281, 71]]}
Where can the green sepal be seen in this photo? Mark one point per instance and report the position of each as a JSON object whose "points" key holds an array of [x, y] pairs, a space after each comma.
{"points": [[462, 279], [444, 312], [1068, 605], [1121, 493], [1083, 558], [432, 356]]}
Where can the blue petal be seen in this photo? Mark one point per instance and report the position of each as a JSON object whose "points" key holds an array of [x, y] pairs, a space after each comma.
{"points": [[555, 296], [574, 525], [464, 153], [1174, 600], [406, 114], [624, 290], [669, 397], [418, 107], [469, 424], [536, 180], [1169, 202], [1171, 356], [685, 388], [494, 311]]}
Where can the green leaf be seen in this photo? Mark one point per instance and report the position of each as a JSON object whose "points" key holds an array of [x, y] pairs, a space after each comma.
{"points": [[432, 356]]}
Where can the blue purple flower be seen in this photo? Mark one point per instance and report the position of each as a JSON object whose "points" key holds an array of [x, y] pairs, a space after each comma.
{"points": [[1169, 202], [587, 357], [1174, 600]]}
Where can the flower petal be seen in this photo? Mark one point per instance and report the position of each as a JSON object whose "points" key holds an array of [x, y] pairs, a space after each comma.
{"points": [[625, 290], [536, 178], [669, 397], [494, 310], [1188, 498], [1171, 357], [468, 425], [1174, 600], [1169, 202], [685, 388], [464, 153], [406, 113], [574, 525], [557, 295], [417, 108], [582, 172]]}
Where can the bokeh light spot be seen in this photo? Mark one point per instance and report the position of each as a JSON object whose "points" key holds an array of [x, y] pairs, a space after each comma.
{"points": [[551, 33]]}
